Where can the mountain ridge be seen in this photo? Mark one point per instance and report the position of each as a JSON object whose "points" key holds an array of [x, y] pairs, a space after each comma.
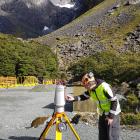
{"points": [[33, 18], [104, 31]]}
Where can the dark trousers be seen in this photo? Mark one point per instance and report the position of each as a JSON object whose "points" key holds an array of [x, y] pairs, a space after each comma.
{"points": [[109, 132]]}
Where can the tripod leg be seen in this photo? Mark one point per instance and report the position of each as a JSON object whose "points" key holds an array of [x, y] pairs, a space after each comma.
{"points": [[47, 128], [58, 133], [71, 127]]}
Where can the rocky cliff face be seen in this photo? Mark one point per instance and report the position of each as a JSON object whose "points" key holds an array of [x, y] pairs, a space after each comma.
{"points": [[32, 18]]}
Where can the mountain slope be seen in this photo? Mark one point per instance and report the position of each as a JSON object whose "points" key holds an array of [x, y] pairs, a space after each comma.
{"points": [[104, 27]]}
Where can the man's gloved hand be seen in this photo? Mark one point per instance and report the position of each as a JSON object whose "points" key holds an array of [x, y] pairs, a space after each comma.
{"points": [[69, 98]]}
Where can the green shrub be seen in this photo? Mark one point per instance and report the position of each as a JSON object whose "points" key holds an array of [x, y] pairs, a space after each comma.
{"points": [[22, 58], [131, 104], [109, 65], [130, 119], [132, 100]]}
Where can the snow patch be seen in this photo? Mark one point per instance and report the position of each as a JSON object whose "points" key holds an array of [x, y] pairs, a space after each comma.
{"points": [[30, 3], [45, 28], [68, 5], [40, 2]]}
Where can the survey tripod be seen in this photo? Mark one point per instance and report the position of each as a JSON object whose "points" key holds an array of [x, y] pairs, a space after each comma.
{"points": [[59, 116]]}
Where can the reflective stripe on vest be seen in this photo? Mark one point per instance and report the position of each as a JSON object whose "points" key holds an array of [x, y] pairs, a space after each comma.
{"points": [[103, 103]]}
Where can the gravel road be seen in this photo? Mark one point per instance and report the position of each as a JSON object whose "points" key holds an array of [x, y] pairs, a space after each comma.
{"points": [[18, 107]]}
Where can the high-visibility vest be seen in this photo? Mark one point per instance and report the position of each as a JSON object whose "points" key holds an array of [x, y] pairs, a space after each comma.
{"points": [[103, 103]]}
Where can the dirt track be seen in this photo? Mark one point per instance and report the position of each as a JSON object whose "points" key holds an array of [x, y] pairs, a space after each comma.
{"points": [[18, 107]]}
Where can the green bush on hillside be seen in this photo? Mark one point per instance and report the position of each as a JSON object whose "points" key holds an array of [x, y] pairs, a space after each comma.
{"points": [[109, 65], [130, 119], [22, 58], [131, 104]]}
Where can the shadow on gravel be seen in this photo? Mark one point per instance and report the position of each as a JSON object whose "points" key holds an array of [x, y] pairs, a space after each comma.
{"points": [[24, 138], [68, 106], [50, 106]]}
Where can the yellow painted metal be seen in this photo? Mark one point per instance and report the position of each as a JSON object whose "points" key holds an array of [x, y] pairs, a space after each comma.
{"points": [[58, 135], [71, 127], [58, 117], [6, 82], [10, 82], [47, 128]]}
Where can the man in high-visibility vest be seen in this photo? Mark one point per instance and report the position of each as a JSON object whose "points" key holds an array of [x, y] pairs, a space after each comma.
{"points": [[107, 104]]}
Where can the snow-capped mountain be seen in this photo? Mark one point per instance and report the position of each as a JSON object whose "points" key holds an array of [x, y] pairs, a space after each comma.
{"points": [[32, 18]]}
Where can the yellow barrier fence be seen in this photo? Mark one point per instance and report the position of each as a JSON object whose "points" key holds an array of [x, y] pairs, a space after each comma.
{"points": [[6, 82], [48, 82], [27, 81], [9, 82]]}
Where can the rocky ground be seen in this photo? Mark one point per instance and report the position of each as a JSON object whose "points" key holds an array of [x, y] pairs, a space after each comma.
{"points": [[132, 41], [18, 107]]}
